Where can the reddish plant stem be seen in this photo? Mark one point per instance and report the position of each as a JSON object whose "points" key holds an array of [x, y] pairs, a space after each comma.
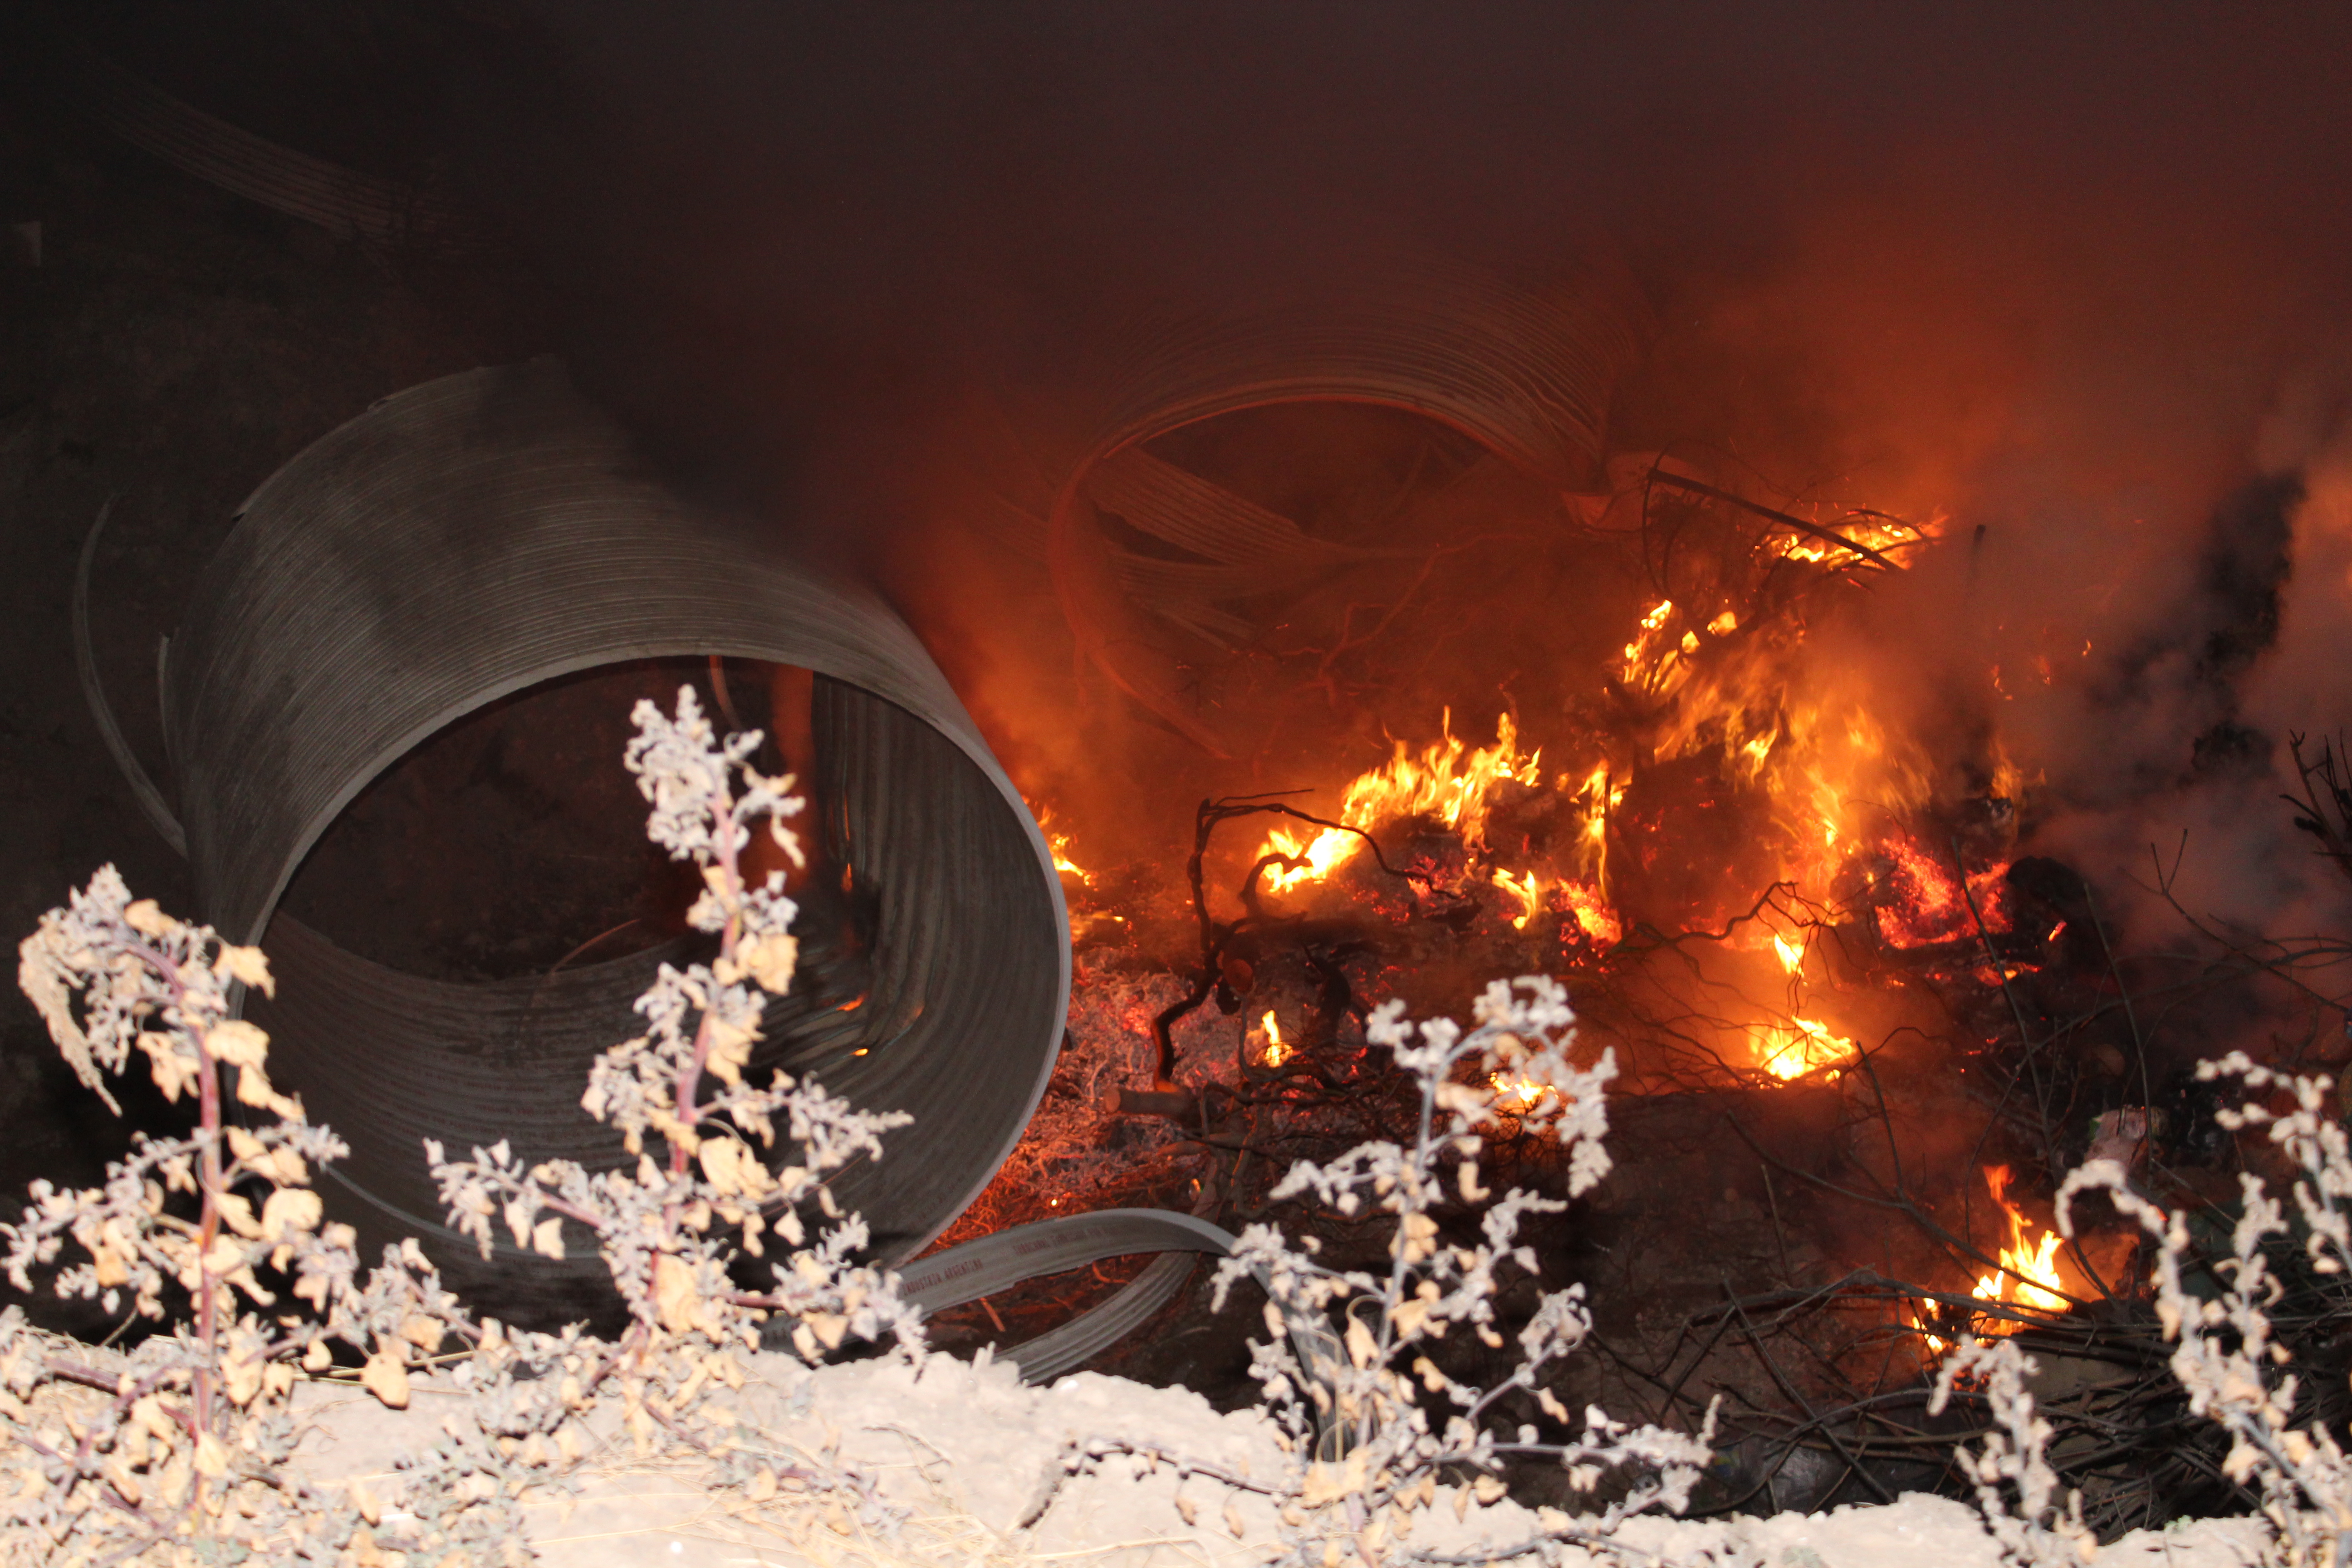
{"points": [[207, 1289], [570, 1211], [74, 1372], [209, 1186]]}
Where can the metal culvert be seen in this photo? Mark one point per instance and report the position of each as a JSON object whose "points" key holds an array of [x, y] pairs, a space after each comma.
{"points": [[476, 536]]}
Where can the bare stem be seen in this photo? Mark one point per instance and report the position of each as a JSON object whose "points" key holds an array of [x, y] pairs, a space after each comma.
{"points": [[689, 1076]]}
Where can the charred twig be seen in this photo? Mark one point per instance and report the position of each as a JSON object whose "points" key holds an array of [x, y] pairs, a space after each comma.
{"points": [[1658, 476], [2282, 958], [1176, 1105], [2131, 1018], [2325, 807], [1789, 1391], [1217, 936], [1902, 1204], [2027, 1045], [1779, 1237]]}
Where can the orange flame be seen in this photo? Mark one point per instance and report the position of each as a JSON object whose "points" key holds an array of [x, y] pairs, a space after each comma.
{"points": [[1448, 781], [1874, 533], [2028, 1275], [1528, 892], [1645, 662], [2040, 1287], [1516, 1096], [1059, 844], [1802, 1045], [1275, 1053]]}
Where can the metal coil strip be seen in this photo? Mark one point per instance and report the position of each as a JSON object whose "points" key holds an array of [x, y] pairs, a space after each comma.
{"points": [[485, 532], [1530, 378], [344, 202], [982, 1267]]}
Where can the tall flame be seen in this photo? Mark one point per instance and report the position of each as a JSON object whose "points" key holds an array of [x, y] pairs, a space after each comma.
{"points": [[1801, 1046], [1528, 890], [2028, 1275], [2038, 1263]]}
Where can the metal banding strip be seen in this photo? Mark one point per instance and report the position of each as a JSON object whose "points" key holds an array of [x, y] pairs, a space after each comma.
{"points": [[475, 536], [142, 788], [1079, 1341], [991, 1263], [344, 202]]}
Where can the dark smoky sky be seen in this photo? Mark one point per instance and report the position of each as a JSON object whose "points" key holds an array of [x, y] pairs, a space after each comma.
{"points": [[780, 229]]}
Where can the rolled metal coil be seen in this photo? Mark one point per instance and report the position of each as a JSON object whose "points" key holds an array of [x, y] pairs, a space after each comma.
{"points": [[1528, 376], [471, 538]]}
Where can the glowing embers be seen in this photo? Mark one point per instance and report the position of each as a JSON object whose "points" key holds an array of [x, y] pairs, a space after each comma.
{"points": [[1591, 912], [1922, 900], [1448, 782], [2027, 1277]]}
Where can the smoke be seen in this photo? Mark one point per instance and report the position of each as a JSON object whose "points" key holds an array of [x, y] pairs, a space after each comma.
{"points": [[2074, 280]]}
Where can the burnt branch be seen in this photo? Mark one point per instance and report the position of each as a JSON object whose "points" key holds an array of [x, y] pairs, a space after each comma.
{"points": [[2324, 810], [1826, 535]]}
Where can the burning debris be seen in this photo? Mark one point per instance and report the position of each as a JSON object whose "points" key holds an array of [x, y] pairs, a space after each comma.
{"points": [[1808, 930]]}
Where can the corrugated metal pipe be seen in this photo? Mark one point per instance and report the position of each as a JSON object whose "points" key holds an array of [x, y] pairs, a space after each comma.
{"points": [[472, 538]]}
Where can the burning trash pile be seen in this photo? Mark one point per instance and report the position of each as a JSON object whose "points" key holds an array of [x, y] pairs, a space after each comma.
{"points": [[1849, 1004]]}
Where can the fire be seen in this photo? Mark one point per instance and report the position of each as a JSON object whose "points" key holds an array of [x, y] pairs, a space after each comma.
{"points": [[1803, 1046], [1275, 1053], [2038, 1289], [1596, 797], [1593, 912], [1516, 1096], [1529, 893], [1643, 663], [1059, 844], [2028, 1275], [1876, 533], [1447, 781], [1931, 906]]}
